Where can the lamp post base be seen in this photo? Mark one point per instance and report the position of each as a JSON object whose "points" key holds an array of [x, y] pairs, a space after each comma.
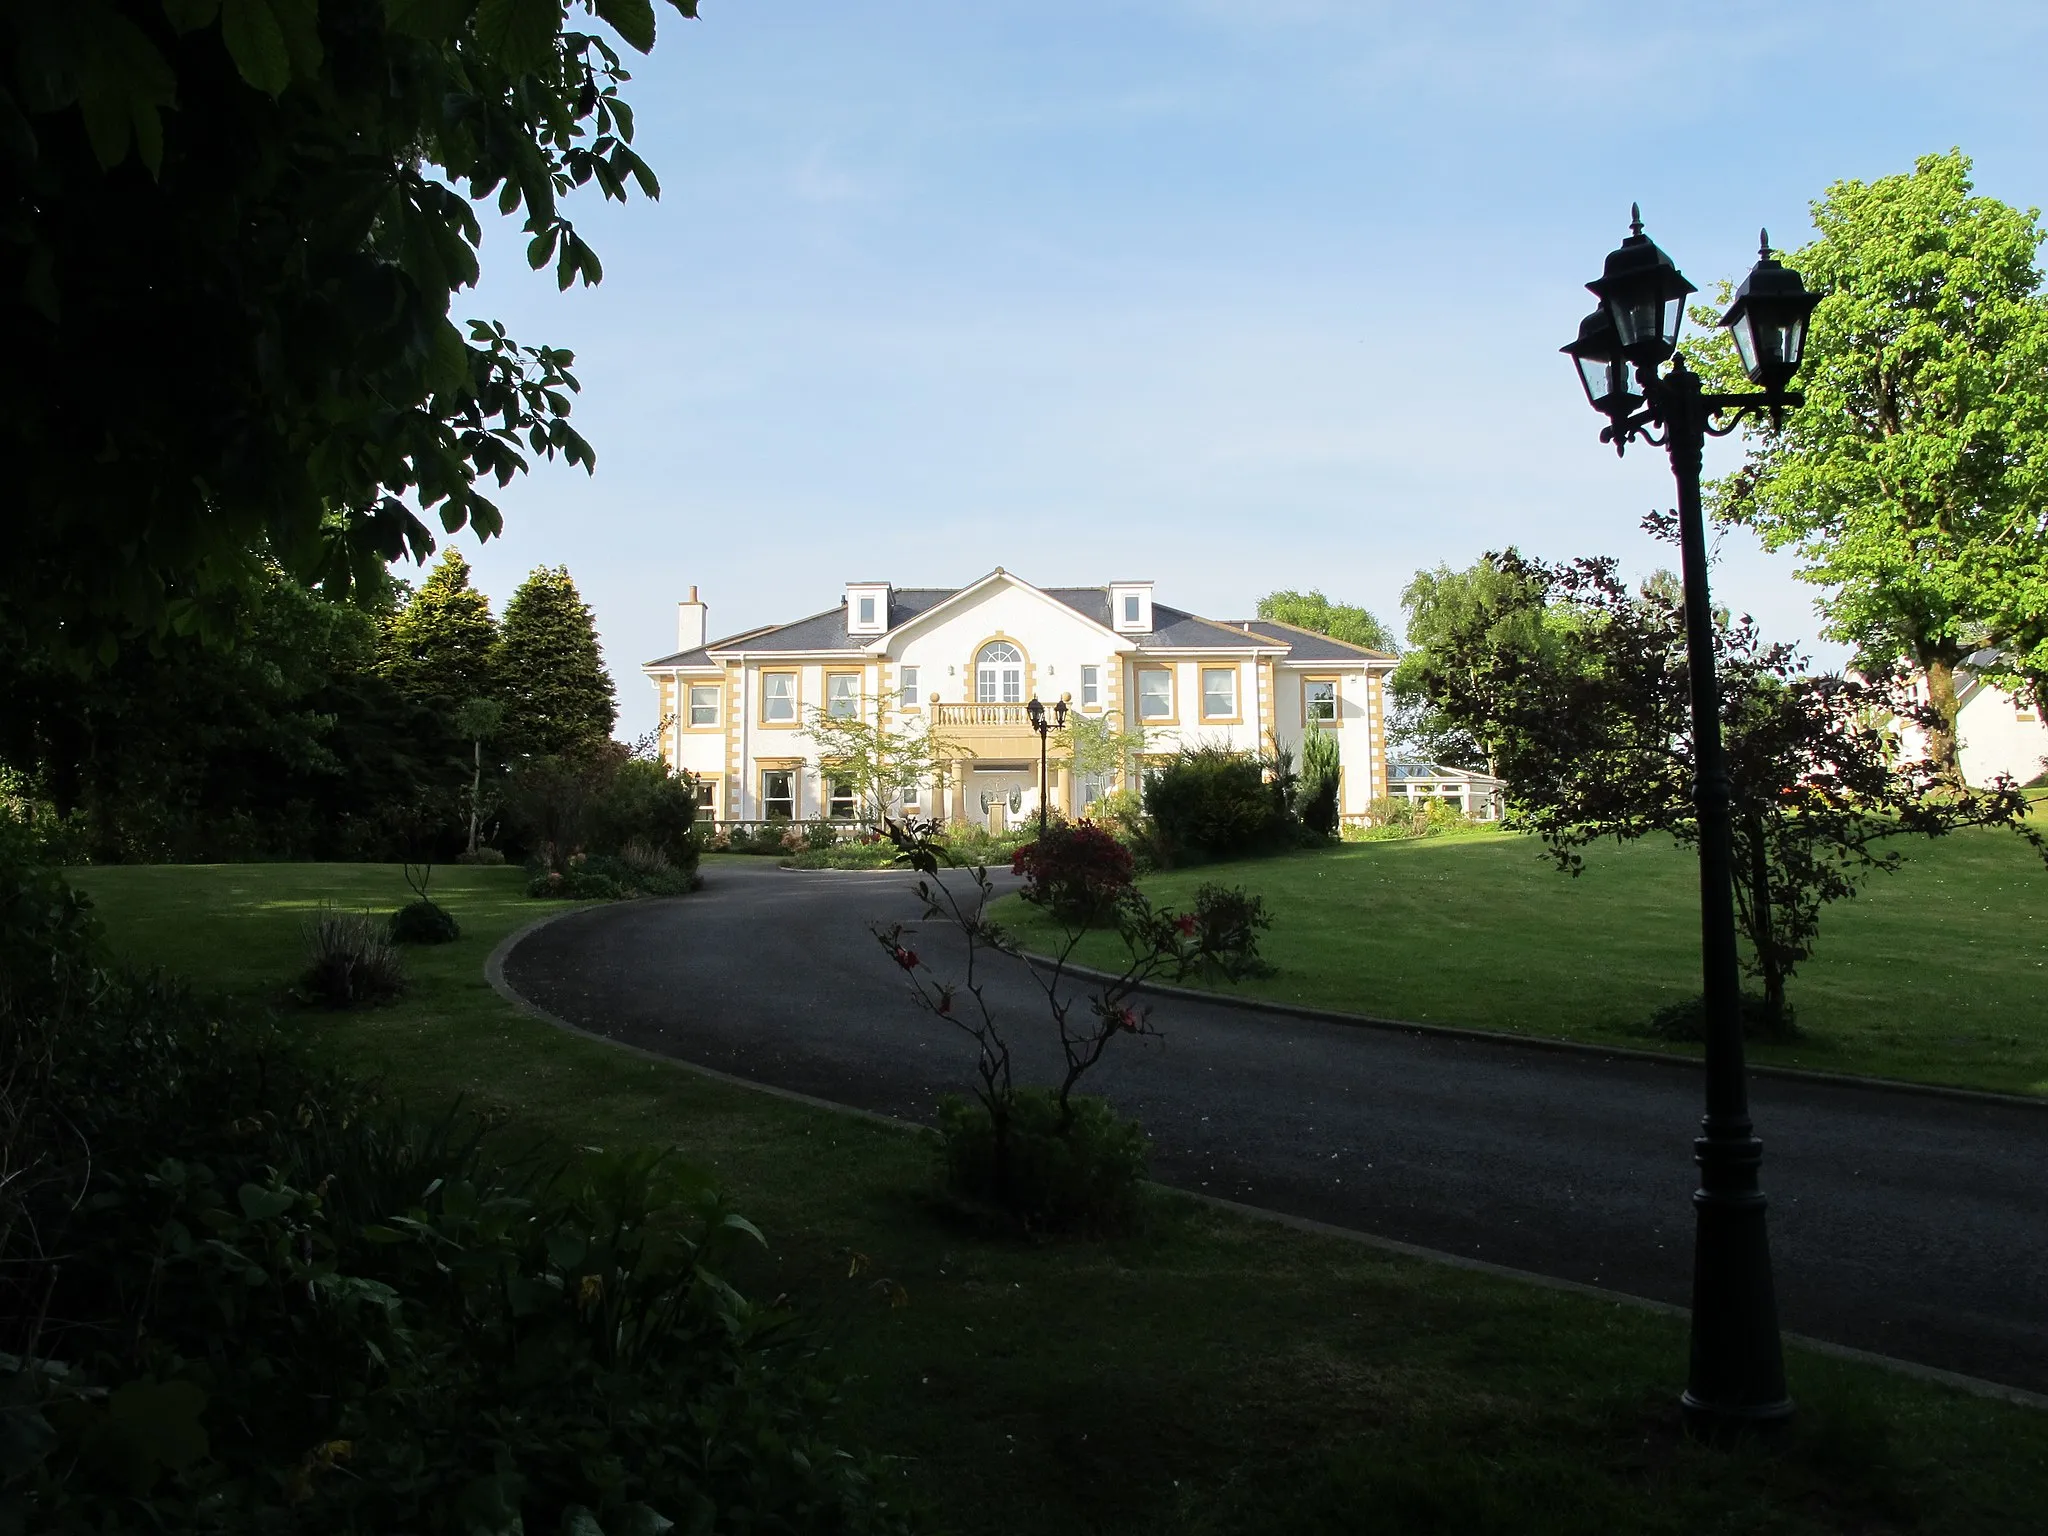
{"points": [[1736, 1385]]}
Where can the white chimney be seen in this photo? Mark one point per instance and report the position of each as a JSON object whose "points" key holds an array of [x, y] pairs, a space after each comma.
{"points": [[689, 623]]}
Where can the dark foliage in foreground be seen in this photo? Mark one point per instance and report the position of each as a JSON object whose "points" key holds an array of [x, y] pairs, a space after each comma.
{"points": [[237, 1294]]}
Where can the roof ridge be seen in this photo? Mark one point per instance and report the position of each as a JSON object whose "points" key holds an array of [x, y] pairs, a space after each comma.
{"points": [[1302, 629]]}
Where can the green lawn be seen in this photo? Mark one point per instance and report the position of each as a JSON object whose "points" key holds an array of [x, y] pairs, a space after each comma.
{"points": [[1217, 1374], [1938, 973]]}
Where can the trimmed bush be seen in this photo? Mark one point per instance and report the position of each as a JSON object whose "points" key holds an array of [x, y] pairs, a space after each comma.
{"points": [[1321, 778], [1087, 1178], [1077, 873], [1213, 803], [351, 961], [492, 857], [1688, 1020], [424, 922]]}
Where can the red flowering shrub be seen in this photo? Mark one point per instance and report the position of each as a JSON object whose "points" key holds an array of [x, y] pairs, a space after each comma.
{"points": [[1077, 872]]}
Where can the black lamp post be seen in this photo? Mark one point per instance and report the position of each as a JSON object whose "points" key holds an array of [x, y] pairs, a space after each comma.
{"points": [[1045, 722], [1737, 1374]]}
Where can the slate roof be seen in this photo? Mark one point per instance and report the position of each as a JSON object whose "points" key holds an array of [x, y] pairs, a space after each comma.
{"points": [[1307, 645], [1172, 629]]}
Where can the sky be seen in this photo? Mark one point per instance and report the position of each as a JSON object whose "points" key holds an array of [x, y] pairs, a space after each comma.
{"points": [[1228, 297]]}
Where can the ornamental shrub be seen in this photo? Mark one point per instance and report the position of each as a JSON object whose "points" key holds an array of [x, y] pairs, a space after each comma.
{"points": [[1228, 922], [1321, 778], [1076, 872], [424, 922], [1210, 802], [1088, 1179]]}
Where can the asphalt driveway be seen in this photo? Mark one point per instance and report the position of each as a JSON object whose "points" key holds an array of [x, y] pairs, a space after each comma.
{"points": [[1912, 1225]]}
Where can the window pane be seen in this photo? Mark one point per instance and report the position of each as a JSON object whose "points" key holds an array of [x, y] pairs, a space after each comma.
{"points": [[778, 795], [778, 696], [1090, 685], [842, 696], [1013, 685], [867, 610], [1155, 695], [1219, 692], [704, 704], [840, 806], [913, 795], [910, 687], [1130, 607], [1322, 701]]}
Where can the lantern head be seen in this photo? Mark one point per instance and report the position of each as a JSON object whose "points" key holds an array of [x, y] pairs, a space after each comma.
{"points": [[1609, 380], [1644, 295], [1768, 320]]}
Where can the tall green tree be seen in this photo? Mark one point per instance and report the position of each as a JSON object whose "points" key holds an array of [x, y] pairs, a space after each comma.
{"points": [[1913, 483], [278, 740], [1340, 621], [437, 644], [230, 235], [1492, 599], [551, 679], [1592, 729]]}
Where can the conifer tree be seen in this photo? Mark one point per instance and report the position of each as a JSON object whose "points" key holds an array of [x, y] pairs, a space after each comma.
{"points": [[550, 674], [437, 646]]}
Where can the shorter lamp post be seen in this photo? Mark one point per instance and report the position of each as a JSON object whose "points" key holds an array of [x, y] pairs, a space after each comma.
{"points": [[1737, 1373], [1045, 722]]}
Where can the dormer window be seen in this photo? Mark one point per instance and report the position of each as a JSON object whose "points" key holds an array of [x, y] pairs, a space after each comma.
{"points": [[867, 608], [1130, 607]]}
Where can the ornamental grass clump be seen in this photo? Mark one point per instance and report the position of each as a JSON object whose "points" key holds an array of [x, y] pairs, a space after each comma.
{"points": [[352, 960]]}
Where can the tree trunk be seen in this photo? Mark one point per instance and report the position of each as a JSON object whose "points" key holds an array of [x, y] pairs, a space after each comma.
{"points": [[476, 789], [1763, 932], [1941, 736]]}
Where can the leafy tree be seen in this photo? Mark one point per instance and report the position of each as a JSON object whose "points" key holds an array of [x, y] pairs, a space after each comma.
{"points": [[437, 644], [477, 721], [1340, 621], [1448, 613], [876, 758], [230, 234], [278, 739], [1099, 746], [1593, 730], [557, 695], [1912, 483]]}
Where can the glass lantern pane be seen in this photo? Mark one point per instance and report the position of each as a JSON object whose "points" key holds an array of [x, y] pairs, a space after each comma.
{"points": [[1792, 340], [1674, 316], [1745, 343], [1593, 373], [1636, 320]]}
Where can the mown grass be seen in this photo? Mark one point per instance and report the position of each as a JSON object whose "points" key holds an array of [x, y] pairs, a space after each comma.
{"points": [[1938, 973], [1214, 1374]]}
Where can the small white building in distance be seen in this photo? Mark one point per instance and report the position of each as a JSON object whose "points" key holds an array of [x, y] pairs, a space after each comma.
{"points": [[969, 659], [1996, 732], [1470, 790]]}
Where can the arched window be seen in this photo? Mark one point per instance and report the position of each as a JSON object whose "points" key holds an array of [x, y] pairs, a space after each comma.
{"points": [[999, 674]]}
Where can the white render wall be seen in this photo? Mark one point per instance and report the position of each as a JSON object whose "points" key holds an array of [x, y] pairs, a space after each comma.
{"points": [[1992, 739]]}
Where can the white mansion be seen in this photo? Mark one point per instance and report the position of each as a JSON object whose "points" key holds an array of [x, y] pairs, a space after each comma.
{"points": [[967, 661]]}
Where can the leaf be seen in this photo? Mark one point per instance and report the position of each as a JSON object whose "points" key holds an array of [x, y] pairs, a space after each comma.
{"points": [[578, 1521], [519, 34], [633, 20], [431, 20], [260, 1204], [160, 1421], [191, 15], [256, 43], [640, 1520], [300, 22]]}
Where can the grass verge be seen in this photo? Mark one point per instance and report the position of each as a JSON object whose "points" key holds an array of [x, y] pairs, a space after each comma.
{"points": [[1215, 1374], [1935, 974]]}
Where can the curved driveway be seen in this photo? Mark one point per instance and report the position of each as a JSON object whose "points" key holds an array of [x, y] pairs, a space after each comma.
{"points": [[1912, 1225]]}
